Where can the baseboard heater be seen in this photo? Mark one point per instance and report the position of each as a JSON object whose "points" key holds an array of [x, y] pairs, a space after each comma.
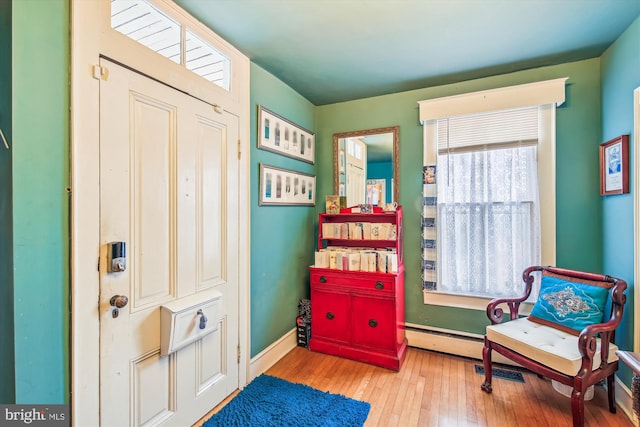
{"points": [[449, 341]]}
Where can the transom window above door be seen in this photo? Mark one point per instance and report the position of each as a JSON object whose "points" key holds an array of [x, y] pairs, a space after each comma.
{"points": [[147, 24]]}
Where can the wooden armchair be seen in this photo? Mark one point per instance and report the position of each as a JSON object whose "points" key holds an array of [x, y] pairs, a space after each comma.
{"points": [[561, 338]]}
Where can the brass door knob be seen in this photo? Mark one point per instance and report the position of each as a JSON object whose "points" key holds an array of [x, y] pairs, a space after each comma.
{"points": [[118, 301]]}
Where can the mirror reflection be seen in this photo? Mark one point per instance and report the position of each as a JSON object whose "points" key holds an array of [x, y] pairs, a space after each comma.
{"points": [[366, 165]]}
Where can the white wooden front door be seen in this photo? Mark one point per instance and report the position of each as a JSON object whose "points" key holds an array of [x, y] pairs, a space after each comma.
{"points": [[168, 189]]}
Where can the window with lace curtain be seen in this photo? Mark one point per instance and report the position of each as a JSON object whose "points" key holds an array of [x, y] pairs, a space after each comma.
{"points": [[487, 202], [487, 208]]}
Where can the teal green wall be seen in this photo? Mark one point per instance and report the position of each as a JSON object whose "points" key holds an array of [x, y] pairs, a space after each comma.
{"points": [[579, 216], [40, 104], [282, 244], [620, 66], [7, 385]]}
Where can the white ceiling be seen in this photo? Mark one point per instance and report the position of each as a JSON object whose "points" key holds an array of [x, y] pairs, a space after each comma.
{"points": [[338, 50]]}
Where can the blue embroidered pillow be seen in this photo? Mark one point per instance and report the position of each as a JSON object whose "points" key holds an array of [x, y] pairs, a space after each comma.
{"points": [[569, 304]]}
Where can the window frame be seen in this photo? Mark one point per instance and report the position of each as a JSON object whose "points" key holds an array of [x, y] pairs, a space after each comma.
{"points": [[547, 95], [185, 33]]}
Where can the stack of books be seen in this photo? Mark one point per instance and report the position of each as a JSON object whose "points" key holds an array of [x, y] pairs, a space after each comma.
{"points": [[359, 231], [357, 259]]}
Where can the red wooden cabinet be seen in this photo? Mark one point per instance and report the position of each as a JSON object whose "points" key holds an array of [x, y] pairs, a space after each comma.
{"points": [[360, 314]]}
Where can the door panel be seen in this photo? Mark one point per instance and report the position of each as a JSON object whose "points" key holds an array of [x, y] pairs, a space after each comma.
{"points": [[213, 179], [168, 188], [151, 379], [151, 148], [209, 359], [356, 171]]}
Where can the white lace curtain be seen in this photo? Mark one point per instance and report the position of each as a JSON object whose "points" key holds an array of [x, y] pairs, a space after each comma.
{"points": [[488, 222], [481, 213]]}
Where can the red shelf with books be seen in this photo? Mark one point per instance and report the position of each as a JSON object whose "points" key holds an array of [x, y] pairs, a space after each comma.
{"points": [[357, 287], [377, 217]]}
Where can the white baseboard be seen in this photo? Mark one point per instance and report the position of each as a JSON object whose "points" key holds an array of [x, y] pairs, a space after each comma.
{"points": [[624, 400], [270, 355], [434, 339]]}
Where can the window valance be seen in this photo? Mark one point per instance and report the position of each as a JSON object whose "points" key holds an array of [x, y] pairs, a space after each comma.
{"points": [[538, 93]]}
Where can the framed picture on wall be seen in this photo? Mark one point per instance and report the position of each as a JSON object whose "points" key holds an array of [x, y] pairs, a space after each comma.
{"points": [[279, 135], [286, 187], [614, 166], [376, 192]]}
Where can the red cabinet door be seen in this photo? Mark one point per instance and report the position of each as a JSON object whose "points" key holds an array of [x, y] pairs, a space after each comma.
{"points": [[373, 322], [330, 315]]}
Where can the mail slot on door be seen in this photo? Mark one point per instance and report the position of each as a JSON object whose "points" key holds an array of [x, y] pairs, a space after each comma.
{"points": [[188, 319]]}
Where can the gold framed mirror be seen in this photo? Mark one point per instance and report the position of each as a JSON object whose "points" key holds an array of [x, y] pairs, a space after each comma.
{"points": [[366, 165]]}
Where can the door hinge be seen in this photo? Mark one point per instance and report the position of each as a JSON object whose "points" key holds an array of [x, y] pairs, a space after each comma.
{"points": [[100, 72], [239, 149], [238, 353]]}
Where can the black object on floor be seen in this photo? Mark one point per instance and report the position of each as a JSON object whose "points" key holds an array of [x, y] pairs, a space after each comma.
{"points": [[502, 373]]}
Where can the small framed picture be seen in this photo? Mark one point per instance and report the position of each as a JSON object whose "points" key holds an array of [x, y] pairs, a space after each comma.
{"points": [[285, 187], [614, 166], [281, 136], [429, 174]]}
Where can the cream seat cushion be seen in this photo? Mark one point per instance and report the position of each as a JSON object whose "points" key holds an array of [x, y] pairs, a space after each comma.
{"points": [[546, 345]]}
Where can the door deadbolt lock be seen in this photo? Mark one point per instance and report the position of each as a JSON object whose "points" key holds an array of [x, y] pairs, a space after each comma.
{"points": [[117, 261]]}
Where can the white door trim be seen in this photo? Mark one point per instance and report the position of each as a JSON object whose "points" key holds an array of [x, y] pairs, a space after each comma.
{"points": [[91, 37]]}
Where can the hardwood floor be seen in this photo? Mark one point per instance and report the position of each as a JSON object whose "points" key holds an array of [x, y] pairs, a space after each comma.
{"points": [[435, 389]]}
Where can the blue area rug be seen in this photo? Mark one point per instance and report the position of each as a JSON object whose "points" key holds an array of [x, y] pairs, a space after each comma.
{"points": [[271, 401]]}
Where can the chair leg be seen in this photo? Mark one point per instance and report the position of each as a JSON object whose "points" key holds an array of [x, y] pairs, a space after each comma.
{"points": [[577, 408], [612, 393], [486, 361]]}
